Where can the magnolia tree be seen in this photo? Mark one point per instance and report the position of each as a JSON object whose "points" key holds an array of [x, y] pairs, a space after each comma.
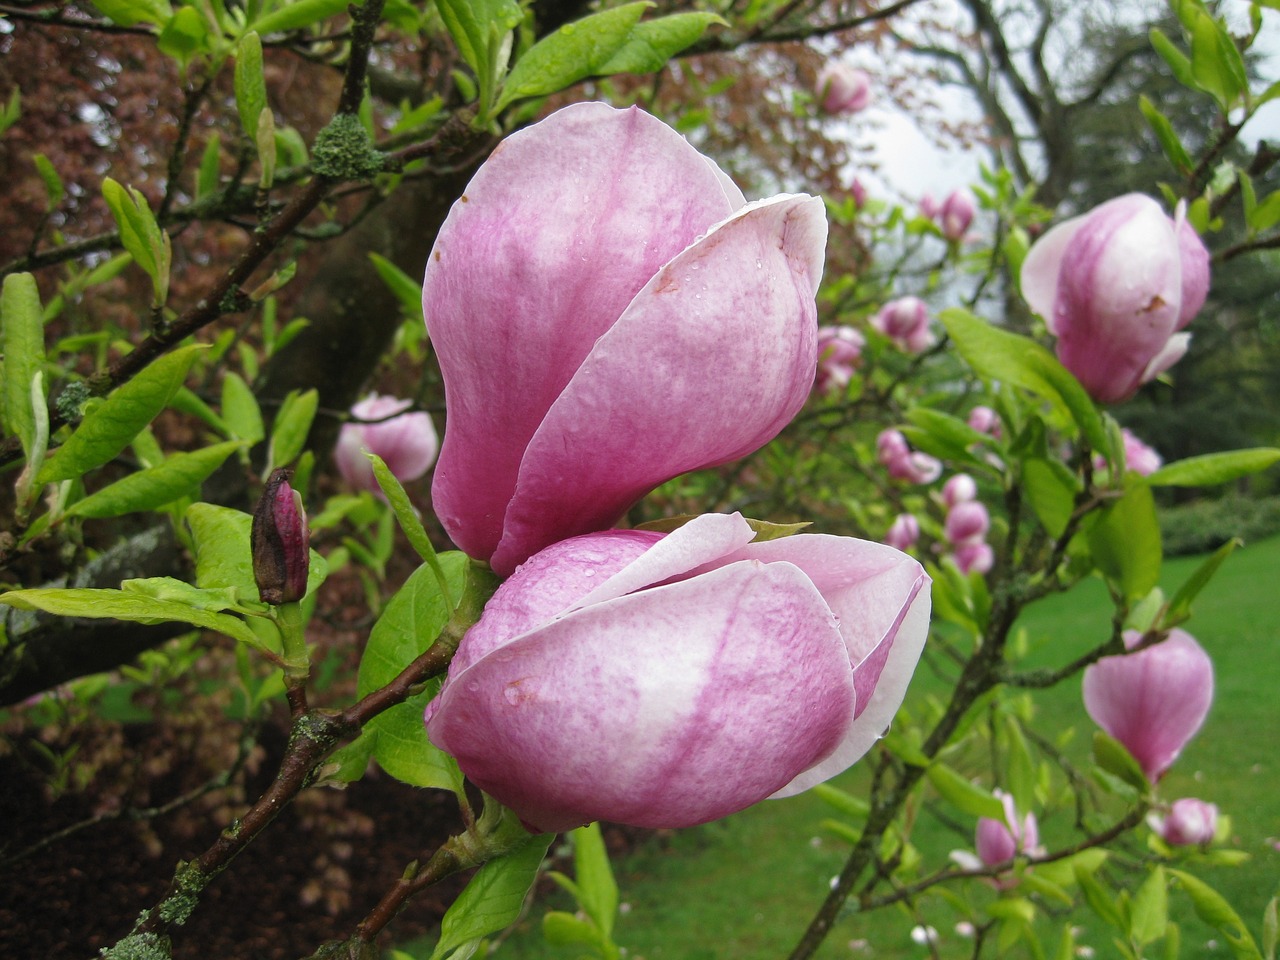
{"points": [[611, 316]]}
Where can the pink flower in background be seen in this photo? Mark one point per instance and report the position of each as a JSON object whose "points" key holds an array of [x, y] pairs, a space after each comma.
{"points": [[1152, 701], [1138, 456], [956, 215], [958, 489], [905, 321], [858, 191], [929, 207], [999, 840], [1115, 286], [896, 456], [967, 522], [903, 532], [985, 420], [582, 297], [839, 353], [843, 89], [665, 681], [1189, 822], [974, 557], [407, 443]]}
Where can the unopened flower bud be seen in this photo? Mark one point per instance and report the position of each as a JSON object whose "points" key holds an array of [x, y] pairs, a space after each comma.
{"points": [[958, 489], [843, 89], [1190, 823], [903, 532], [280, 543], [967, 522], [985, 420], [957, 214], [975, 556], [905, 321]]}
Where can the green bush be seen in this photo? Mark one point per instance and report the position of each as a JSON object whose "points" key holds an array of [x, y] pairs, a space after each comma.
{"points": [[1207, 524]]}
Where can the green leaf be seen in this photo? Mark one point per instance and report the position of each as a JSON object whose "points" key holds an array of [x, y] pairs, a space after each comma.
{"points": [[1163, 129], [293, 423], [152, 489], [207, 180], [963, 794], [842, 800], [123, 605], [22, 342], [410, 524], [1180, 605], [469, 23], [594, 877], [1149, 915], [1111, 755], [562, 929], [1214, 468], [184, 35], [296, 14], [250, 83], [407, 290], [1101, 901], [186, 401], [1215, 62], [997, 354], [108, 428], [1051, 489], [53, 187], [128, 12], [139, 232], [1266, 214], [1214, 910], [650, 45], [951, 436], [1125, 542], [240, 409], [12, 110], [493, 899], [169, 588], [575, 51], [409, 625], [1178, 61]]}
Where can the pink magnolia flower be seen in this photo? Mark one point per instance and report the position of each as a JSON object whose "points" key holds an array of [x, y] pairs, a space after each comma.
{"points": [[999, 840], [839, 353], [842, 88], [905, 321], [665, 681], [958, 489], [891, 445], [929, 207], [1115, 286], [975, 556], [858, 190], [1152, 701], [1189, 823], [903, 532], [985, 420], [407, 443], [956, 215], [967, 522], [279, 542], [609, 312]]}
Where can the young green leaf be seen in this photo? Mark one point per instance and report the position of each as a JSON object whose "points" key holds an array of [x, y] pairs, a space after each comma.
{"points": [[1113, 758], [1213, 468], [1149, 915], [22, 342], [141, 235], [1178, 61], [207, 180], [296, 14], [651, 44], [493, 898], [409, 625], [407, 290], [1125, 542], [575, 51], [108, 428], [240, 409], [1213, 909], [1168, 137], [53, 188], [152, 489], [124, 605], [128, 12], [293, 423], [964, 794], [184, 36], [12, 110], [250, 83], [469, 23]]}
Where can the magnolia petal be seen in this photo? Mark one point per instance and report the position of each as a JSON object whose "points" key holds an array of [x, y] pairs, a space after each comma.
{"points": [[1042, 266], [1152, 701], [881, 600], [753, 686], [554, 236], [1174, 349], [709, 362]]}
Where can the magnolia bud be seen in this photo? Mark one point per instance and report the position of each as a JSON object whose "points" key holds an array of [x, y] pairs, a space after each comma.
{"points": [[903, 532], [957, 214], [843, 89], [958, 489], [279, 541], [1190, 823]]}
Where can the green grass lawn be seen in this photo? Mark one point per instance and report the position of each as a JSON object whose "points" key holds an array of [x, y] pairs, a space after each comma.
{"points": [[746, 887]]}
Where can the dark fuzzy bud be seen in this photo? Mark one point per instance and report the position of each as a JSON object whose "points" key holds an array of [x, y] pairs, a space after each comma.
{"points": [[280, 543]]}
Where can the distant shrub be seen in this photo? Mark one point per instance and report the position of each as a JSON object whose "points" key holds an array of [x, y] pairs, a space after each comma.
{"points": [[1207, 524]]}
